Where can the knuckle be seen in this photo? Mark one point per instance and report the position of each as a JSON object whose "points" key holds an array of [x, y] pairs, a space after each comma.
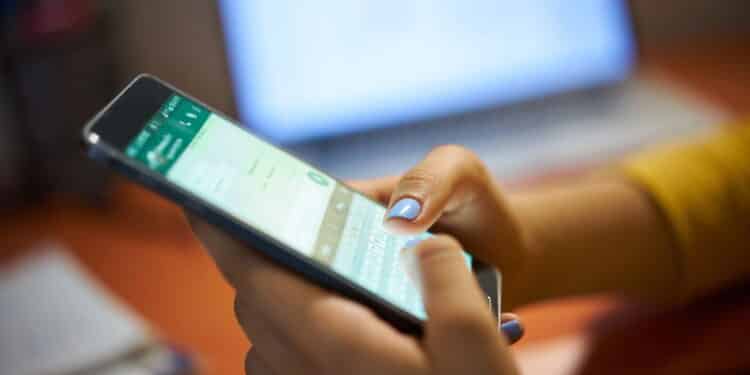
{"points": [[241, 313], [418, 179], [253, 364], [237, 306], [457, 153], [464, 159]]}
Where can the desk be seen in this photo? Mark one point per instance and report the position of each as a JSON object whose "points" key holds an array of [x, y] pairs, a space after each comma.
{"points": [[142, 249]]}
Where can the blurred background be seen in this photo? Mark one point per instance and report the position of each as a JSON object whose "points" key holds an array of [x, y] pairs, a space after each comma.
{"points": [[98, 275]]}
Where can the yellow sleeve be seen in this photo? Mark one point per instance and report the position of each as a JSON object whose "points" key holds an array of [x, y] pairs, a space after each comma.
{"points": [[703, 190]]}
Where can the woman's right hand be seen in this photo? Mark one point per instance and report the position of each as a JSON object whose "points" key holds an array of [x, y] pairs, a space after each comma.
{"points": [[451, 191]]}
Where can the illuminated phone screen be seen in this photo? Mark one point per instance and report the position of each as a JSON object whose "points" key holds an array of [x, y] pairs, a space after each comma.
{"points": [[278, 194]]}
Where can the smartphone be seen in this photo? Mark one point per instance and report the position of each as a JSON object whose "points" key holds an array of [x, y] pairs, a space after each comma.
{"points": [[288, 210]]}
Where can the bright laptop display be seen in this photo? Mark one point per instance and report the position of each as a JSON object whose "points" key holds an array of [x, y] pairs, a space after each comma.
{"points": [[311, 69]]}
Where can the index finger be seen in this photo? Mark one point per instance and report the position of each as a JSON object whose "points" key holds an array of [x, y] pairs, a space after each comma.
{"points": [[441, 183], [379, 189]]}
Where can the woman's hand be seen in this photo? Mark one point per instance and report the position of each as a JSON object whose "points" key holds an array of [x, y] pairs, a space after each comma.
{"points": [[599, 234], [452, 192], [297, 328]]}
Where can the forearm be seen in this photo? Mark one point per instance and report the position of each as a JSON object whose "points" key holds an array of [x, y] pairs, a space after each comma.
{"points": [[602, 235]]}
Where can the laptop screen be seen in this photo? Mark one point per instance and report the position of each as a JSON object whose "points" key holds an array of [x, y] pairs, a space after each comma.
{"points": [[311, 69]]}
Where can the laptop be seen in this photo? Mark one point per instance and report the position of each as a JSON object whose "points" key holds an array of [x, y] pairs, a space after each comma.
{"points": [[365, 88]]}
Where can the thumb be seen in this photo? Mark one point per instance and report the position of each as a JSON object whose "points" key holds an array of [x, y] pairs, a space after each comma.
{"points": [[449, 289], [510, 324], [460, 328]]}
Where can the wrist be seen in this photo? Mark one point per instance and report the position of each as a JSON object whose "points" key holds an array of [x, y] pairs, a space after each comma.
{"points": [[519, 285], [594, 236]]}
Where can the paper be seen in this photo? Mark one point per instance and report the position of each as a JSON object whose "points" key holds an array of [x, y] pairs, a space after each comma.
{"points": [[55, 319]]}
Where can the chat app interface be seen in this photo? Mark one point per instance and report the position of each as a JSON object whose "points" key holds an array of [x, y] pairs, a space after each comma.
{"points": [[270, 190]]}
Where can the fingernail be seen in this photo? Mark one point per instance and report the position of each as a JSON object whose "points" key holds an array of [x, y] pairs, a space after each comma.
{"points": [[405, 208], [408, 261], [513, 331]]}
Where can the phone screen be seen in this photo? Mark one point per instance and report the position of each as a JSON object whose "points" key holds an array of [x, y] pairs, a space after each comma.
{"points": [[278, 194]]}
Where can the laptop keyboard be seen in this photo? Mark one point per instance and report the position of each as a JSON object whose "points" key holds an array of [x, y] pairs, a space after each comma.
{"points": [[528, 139]]}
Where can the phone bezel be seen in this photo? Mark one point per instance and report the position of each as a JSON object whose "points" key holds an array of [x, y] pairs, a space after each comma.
{"points": [[107, 134]]}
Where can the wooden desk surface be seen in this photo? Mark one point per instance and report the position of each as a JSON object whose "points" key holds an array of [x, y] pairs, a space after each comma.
{"points": [[142, 249]]}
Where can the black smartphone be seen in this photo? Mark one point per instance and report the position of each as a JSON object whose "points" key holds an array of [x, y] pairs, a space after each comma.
{"points": [[288, 210]]}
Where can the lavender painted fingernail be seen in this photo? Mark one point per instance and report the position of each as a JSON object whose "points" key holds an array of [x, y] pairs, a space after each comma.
{"points": [[513, 331], [405, 208]]}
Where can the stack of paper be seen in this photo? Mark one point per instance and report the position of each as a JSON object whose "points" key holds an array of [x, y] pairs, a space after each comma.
{"points": [[56, 319]]}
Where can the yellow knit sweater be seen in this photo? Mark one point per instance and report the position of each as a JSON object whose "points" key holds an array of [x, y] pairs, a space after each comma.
{"points": [[703, 190]]}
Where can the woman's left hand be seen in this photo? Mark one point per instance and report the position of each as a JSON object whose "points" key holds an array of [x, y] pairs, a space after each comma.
{"points": [[298, 328]]}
